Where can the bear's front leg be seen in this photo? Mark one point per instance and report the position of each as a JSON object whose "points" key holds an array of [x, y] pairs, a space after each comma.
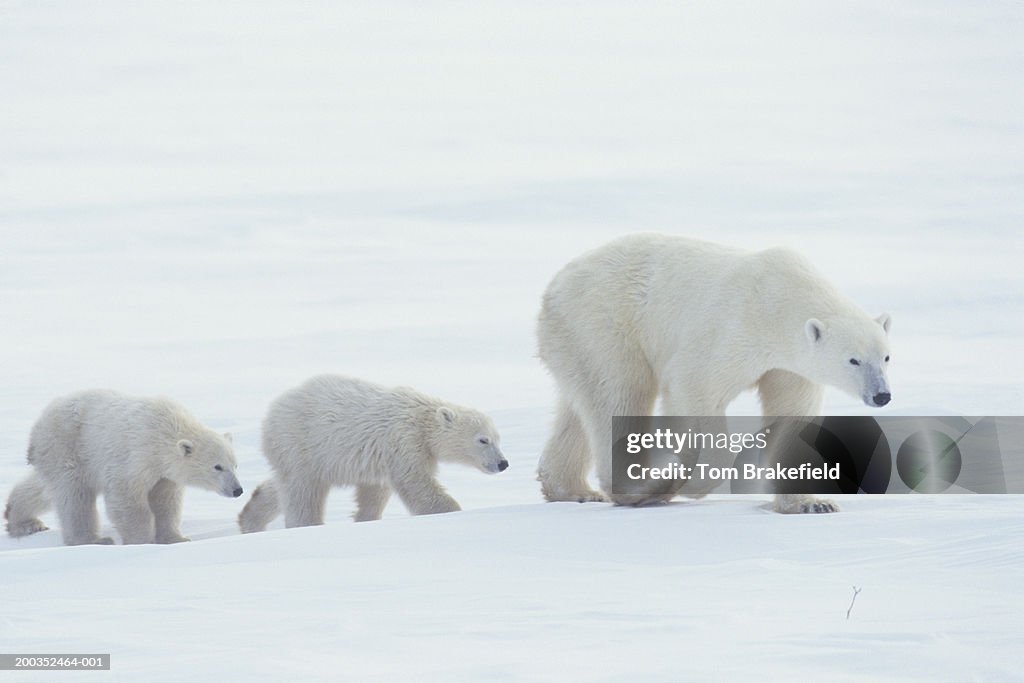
{"points": [[165, 504], [130, 513], [784, 393], [421, 493]]}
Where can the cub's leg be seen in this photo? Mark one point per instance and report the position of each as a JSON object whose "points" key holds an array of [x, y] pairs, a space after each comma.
{"points": [[79, 519], [131, 515], [165, 504], [371, 500], [305, 499], [27, 501], [263, 507], [421, 492]]}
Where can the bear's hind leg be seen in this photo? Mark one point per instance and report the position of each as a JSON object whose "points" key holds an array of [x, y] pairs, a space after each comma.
{"points": [[784, 393], [597, 412], [27, 501], [371, 499], [165, 504], [79, 520], [263, 506], [304, 501], [566, 460]]}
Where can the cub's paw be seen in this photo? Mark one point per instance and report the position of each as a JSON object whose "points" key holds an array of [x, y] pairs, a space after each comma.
{"points": [[25, 528]]}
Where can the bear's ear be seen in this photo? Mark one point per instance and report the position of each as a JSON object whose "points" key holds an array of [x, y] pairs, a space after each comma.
{"points": [[814, 329], [445, 415], [885, 320], [227, 437], [186, 447]]}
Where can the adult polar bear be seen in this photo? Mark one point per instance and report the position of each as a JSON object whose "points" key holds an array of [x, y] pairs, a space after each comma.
{"points": [[696, 323]]}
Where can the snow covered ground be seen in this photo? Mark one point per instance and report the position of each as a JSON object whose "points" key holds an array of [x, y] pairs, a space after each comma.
{"points": [[215, 201]]}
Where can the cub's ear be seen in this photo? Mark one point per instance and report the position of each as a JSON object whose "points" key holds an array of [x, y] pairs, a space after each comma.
{"points": [[814, 329], [186, 447], [445, 415], [885, 320], [227, 437]]}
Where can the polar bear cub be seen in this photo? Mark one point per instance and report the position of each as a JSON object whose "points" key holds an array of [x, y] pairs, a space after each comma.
{"points": [[340, 431], [137, 452]]}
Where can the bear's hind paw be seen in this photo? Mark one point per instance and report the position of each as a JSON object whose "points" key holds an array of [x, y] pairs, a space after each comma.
{"points": [[560, 494], [25, 528]]}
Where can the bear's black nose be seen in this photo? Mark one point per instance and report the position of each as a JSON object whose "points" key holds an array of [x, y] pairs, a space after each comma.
{"points": [[237, 492], [882, 398], [503, 465]]}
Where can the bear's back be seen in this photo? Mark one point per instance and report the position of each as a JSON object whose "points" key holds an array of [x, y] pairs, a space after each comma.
{"points": [[334, 410]]}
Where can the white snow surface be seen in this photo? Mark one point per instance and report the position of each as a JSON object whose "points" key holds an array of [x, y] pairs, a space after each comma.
{"points": [[214, 201]]}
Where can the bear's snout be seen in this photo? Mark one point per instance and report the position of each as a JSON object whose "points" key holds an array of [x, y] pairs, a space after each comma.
{"points": [[503, 465], [237, 492], [882, 398]]}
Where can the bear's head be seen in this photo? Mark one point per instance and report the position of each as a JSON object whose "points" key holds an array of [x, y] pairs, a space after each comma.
{"points": [[851, 353], [468, 437], [208, 460]]}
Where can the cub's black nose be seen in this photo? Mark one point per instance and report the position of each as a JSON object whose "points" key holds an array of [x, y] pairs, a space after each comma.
{"points": [[237, 492], [503, 465], [882, 398]]}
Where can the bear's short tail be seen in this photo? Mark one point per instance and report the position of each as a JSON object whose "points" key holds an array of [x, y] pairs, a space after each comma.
{"points": [[27, 501], [262, 508]]}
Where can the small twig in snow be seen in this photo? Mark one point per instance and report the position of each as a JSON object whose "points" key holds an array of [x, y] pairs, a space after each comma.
{"points": [[856, 592]]}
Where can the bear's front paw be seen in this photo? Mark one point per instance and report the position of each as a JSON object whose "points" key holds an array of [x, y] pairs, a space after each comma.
{"points": [[591, 497], [104, 540], [791, 504], [818, 506], [173, 539]]}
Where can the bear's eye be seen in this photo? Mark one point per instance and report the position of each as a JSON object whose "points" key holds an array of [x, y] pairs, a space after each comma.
{"points": [[887, 359], [484, 440], [854, 361], [218, 468]]}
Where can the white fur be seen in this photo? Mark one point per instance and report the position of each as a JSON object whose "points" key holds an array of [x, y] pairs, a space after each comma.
{"points": [[341, 431], [696, 324], [137, 452]]}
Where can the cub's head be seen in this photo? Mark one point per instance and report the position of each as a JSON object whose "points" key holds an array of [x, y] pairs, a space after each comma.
{"points": [[852, 354], [209, 462], [469, 437]]}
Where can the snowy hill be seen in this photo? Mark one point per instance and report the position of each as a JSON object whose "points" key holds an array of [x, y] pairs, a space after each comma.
{"points": [[703, 591], [215, 201]]}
